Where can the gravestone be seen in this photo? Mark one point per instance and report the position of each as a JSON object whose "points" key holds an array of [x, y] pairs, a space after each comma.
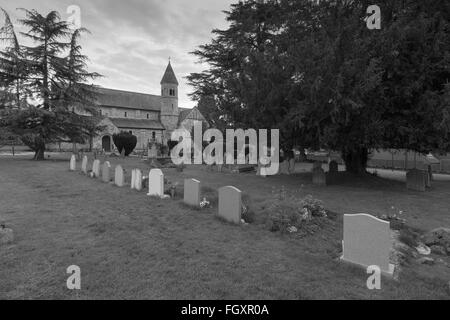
{"points": [[192, 192], [317, 165], [96, 168], [119, 176], [367, 242], [153, 152], [292, 165], [73, 163], [284, 168], [106, 168], [416, 180], [430, 172], [319, 177], [230, 204], [156, 183], [138, 180], [84, 165], [133, 179]]}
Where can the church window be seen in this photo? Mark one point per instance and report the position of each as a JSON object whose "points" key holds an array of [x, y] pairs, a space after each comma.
{"points": [[126, 115], [148, 116], [153, 136]]}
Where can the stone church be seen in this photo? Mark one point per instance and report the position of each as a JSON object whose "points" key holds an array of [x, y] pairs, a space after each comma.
{"points": [[151, 118]]}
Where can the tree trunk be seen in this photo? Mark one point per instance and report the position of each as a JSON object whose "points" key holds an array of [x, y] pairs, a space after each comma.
{"points": [[39, 154], [356, 159]]}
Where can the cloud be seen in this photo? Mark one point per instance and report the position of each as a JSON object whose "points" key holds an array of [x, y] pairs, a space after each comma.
{"points": [[132, 40]]}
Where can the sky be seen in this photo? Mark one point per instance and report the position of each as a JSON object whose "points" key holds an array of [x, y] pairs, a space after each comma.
{"points": [[131, 40]]}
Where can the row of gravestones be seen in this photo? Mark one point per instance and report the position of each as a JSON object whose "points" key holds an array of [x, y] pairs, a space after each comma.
{"points": [[155, 177], [418, 180], [366, 242]]}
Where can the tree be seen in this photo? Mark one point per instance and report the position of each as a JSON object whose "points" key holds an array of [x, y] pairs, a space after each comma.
{"points": [[56, 75], [316, 72], [125, 141]]}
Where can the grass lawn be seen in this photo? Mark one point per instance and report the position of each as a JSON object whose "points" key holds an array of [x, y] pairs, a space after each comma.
{"points": [[130, 246]]}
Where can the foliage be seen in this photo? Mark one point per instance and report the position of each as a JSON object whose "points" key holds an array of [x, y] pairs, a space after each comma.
{"points": [[289, 210], [314, 70], [51, 73], [125, 141]]}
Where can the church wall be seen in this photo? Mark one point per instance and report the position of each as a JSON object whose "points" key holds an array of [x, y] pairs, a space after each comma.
{"points": [[131, 113]]}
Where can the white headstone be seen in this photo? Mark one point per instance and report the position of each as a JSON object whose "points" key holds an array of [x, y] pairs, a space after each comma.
{"points": [[96, 168], [106, 168], [230, 204], [73, 163], [192, 192], [133, 179], [138, 180], [119, 176], [84, 165], [367, 242], [156, 183]]}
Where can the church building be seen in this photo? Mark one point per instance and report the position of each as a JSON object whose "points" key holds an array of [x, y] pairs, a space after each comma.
{"points": [[151, 118]]}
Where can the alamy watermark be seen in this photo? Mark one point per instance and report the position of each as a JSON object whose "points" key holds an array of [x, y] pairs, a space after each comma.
{"points": [[257, 151]]}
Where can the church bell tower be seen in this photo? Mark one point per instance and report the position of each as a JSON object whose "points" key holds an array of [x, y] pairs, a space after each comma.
{"points": [[169, 101]]}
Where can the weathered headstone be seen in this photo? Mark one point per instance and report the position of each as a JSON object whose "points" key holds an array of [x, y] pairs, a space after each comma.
{"points": [[84, 165], [156, 183], [367, 242], [292, 165], [284, 168], [73, 163], [192, 192], [119, 176], [106, 168], [138, 180], [230, 204], [317, 165], [416, 180], [430, 172], [96, 168], [153, 152], [319, 177]]}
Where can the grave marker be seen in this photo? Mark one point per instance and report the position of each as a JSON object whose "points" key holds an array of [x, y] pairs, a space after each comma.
{"points": [[119, 176], [138, 180], [416, 180], [96, 168], [106, 172], [230, 204], [367, 242], [192, 192], [133, 179], [156, 183], [84, 165], [319, 177], [73, 163]]}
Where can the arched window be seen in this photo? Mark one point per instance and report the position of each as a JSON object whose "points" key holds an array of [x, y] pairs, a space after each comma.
{"points": [[126, 114]]}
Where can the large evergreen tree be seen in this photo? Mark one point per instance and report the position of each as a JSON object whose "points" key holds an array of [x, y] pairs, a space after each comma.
{"points": [[56, 80], [315, 71]]}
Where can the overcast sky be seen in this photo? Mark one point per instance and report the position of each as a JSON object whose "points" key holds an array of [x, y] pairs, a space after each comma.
{"points": [[132, 40]]}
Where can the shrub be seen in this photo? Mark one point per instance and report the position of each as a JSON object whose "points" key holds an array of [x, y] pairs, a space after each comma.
{"points": [[291, 211], [125, 141]]}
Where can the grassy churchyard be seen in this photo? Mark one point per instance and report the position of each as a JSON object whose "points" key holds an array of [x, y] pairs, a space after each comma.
{"points": [[129, 245]]}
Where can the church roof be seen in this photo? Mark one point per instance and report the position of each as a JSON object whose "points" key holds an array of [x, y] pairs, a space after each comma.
{"points": [[169, 76], [184, 113], [122, 123], [129, 100]]}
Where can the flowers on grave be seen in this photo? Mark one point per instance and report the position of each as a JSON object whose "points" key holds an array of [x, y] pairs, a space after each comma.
{"points": [[289, 212], [204, 203]]}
